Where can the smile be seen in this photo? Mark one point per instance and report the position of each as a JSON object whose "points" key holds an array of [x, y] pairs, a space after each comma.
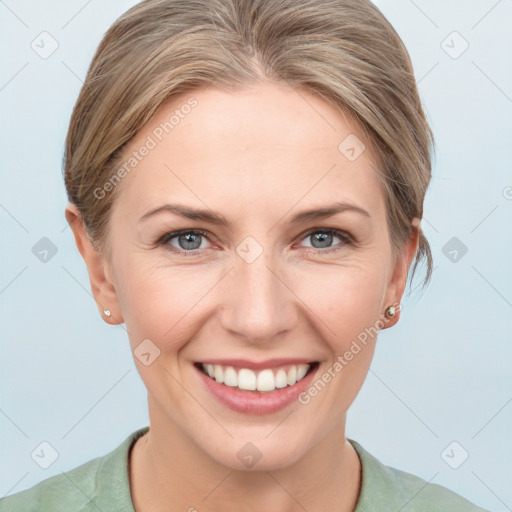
{"points": [[265, 380]]}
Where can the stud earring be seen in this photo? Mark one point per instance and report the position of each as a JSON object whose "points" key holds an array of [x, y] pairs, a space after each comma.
{"points": [[390, 311], [107, 312]]}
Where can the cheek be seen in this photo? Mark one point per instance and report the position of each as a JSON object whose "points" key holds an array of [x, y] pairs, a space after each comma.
{"points": [[159, 301], [346, 299]]}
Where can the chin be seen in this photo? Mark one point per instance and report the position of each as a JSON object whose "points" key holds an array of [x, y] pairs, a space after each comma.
{"points": [[258, 451]]}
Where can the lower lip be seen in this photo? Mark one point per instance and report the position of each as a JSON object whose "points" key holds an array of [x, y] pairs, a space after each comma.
{"points": [[254, 402]]}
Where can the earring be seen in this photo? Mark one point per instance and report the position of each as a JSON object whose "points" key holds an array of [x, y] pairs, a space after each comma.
{"points": [[390, 311], [107, 312]]}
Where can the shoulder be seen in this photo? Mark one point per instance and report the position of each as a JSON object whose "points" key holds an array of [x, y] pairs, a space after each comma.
{"points": [[101, 480], [404, 491], [68, 491]]}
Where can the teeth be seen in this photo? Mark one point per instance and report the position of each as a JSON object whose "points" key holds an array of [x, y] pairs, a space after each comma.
{"points": [[230, 378], [292, 376], [301, 371], [246, 379], [265, 380], [219, 374], [281, 379]]}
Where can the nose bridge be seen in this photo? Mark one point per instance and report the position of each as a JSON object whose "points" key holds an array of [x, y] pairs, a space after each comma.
{"points": [[258, 304]]}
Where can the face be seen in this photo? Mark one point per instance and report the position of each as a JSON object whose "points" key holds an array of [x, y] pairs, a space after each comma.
{"points": [[253, 282]]}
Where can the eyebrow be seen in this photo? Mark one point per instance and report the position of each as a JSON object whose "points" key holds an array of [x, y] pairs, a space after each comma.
{"points": [[215, 218]]}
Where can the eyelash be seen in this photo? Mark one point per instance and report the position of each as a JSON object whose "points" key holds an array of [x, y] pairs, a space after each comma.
{"points": [[343, 235]]}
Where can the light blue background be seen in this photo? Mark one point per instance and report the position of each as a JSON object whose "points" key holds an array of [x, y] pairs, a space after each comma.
{"points": [[442, 374]]}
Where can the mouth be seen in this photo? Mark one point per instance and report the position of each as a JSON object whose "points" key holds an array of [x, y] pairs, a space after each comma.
{"points": [[261, 381]]}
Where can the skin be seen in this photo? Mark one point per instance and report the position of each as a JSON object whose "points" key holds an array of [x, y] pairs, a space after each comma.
{"points": [[257, 156]]}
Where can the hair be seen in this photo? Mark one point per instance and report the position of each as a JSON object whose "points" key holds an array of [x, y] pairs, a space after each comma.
{"points": [[344, 51]]}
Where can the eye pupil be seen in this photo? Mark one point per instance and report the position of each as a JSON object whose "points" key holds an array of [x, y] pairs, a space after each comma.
{"points": [[189, 241], [322, 238]]}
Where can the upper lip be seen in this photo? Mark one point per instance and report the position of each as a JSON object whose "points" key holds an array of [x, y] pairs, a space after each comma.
{"points": [[257, 365]]}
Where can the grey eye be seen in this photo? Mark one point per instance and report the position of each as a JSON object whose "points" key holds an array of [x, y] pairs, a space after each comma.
{"points": [[189, 241], [322, 239]]}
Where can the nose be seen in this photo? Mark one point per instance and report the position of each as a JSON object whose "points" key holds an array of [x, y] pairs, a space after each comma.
{"points": [[258, 302]]}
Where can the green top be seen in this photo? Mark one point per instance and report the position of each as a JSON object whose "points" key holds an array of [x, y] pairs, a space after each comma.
{"points": [[102, 485]]}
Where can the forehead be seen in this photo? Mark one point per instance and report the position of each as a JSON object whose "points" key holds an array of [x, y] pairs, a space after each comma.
{"points": [[267, 144]]}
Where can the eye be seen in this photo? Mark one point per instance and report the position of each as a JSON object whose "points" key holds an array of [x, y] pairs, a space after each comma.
{"points": [[189, 241], [185, 242], [323, 238]]}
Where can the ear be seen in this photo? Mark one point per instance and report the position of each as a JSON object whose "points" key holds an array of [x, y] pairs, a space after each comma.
{"points": [[102, 287], [396, 285]]}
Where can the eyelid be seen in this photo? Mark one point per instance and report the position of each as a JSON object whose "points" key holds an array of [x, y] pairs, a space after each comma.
{"points": [[167, 237], [338, 232], [172, 234], [347, 238]]}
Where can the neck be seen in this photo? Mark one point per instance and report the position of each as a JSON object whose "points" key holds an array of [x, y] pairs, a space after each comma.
{"points": [[169, 472]]}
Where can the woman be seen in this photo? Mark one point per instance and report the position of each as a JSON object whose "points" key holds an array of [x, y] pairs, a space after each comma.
{"points": [[246, 181]]}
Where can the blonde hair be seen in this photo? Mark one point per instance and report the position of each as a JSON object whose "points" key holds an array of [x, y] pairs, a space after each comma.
{"points": [[344, 51]]}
